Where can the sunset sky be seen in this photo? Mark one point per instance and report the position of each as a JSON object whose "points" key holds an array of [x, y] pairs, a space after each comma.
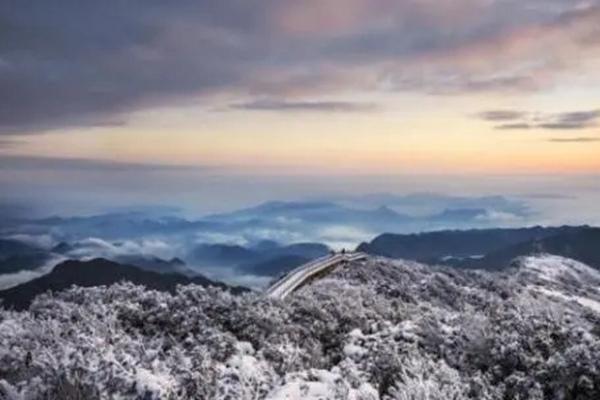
{"points": [[312, 87]]}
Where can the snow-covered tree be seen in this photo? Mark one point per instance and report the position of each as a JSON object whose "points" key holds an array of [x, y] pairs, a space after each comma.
{"points": [[378, 329]]}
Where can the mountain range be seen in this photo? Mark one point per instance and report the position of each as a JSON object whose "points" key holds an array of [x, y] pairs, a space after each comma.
{"points": [[489, 248], [266, 258], [99, 272], [346, 220]]}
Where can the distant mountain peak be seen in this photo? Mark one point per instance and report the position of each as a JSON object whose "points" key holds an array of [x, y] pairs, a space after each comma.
{"points": [[176, 261], [62, 248], [385, 210]]}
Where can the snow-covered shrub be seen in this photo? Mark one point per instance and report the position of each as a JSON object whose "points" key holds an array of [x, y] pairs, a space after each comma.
{"points": [[378, 329], [423, 379]]}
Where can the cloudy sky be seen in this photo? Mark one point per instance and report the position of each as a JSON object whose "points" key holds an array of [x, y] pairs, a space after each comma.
{"points": [[132, 89]]}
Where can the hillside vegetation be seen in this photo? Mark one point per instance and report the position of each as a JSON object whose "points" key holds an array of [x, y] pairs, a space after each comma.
{"points": [[378, 329]]}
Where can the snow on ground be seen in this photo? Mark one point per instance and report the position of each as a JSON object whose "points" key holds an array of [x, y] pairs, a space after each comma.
{"points": [[587, 302], [550, 293], [372, 330], [320, 385], [564, 278], [557, 294], [157, 383], [551, 268]]}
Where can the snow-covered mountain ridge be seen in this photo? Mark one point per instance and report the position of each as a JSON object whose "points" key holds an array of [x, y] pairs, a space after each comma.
{"points": [[563, 279], [374, 329]]}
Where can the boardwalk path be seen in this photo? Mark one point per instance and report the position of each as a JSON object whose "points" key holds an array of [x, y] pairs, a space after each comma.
{"points": [[297, 277]]}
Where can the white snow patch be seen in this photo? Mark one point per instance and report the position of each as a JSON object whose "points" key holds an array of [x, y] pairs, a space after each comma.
{"points": [[353, 350], [158, 384], [550, 268], [12, 327], [587, 302], [320, 385], [406, 329], [584, 301], [550, 292], [243, 374]]}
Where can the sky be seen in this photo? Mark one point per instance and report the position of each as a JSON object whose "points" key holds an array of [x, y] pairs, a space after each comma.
{"points": [[219, 103]]}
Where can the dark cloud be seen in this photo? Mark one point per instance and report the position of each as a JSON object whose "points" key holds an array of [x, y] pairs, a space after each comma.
{"points": [[574, 140], [307, 106], [90, 63], [473, 83], [501, 115], [559, 126], [80, 164], [520, 120], [549, 196], [573, 120], [515, 126], [6, 143]]}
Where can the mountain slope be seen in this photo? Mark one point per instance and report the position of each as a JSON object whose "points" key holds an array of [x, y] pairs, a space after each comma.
{"points": [[582, 245], [97, 272], [377, 329], [221, 254], [436, 246], [16, 256], [156, 264], [274, 266], [265, 259]]}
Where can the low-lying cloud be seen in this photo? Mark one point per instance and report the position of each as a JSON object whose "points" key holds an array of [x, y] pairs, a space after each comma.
{"points": [[502, 115], [16, 278], [95, 247], [521, 120], [17, 162], [307, 106], [575, 140]]}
